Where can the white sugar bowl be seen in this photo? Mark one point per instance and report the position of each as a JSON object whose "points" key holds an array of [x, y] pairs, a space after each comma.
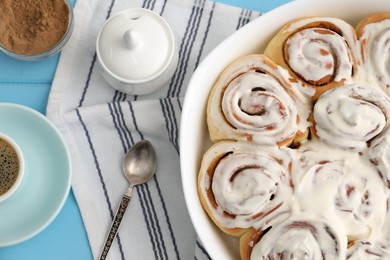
{"points": [[136, 51]]}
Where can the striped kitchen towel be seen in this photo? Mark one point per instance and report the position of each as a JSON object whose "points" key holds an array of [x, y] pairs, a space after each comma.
{"points": [[101, 124]]}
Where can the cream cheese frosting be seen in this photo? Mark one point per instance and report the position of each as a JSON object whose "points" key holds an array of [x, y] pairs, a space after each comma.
{"points": [[255, 100], [351, 115], [341, 186], [249, 183], [301, 237], [317, 53], [375, 44]]}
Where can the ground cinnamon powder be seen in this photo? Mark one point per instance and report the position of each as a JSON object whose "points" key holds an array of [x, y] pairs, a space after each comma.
{"points": [[32, 26]]}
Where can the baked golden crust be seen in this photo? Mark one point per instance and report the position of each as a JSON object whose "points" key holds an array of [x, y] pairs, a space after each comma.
{"points": [[247, 241], [368, 20]]}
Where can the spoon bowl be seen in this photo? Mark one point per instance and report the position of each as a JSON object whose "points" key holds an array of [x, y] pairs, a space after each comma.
{"points": [[139, 165]]}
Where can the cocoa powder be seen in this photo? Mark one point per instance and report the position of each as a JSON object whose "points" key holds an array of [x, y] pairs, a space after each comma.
{"points": [[33, 26]]}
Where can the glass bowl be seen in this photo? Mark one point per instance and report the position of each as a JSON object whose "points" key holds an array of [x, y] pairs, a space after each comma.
{"points": [[51, 51]]}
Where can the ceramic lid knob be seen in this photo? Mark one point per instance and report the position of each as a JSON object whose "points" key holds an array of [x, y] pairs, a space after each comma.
{"points": [[136, 45], [131, 39]]}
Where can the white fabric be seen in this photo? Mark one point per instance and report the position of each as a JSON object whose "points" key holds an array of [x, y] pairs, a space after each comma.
{"points": [[100, 124]]}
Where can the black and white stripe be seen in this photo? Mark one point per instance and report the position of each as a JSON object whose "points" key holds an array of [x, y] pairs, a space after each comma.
{"points": [[171, 123], [146, 200], [205, 35], [202, 250], [123, 117], [149, 4], [244, 18], [186, 47], [92, 65], [176, 84], [102, 181]]}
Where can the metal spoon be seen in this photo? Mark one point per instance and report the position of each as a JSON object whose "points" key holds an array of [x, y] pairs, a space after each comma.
{"points": [[139, 166]]}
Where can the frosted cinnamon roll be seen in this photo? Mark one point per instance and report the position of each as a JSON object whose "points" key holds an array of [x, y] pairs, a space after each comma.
{"points": [[374, 38], [300, 237], [350, 116], [341, 186], [366, 250], [242, 185], [253, 100], [318, 51]]}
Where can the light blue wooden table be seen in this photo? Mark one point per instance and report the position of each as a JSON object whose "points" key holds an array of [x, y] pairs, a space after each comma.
{"points": [[28, 83]]}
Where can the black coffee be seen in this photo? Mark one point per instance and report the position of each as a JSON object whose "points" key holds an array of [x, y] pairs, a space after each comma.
{"points": [[9, 166]]}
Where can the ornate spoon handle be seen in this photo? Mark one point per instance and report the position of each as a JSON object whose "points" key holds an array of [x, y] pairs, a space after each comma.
{"points": [[116, 223]]}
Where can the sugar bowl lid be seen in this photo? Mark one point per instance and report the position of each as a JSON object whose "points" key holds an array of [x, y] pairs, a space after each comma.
{"points": [[135, 45]]}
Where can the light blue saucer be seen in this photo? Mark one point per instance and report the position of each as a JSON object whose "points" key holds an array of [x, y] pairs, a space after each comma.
{"points": [[48, 174]]}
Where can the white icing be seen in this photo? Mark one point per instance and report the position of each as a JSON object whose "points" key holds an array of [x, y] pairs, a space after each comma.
{"points": [[377, 53], [301, 94], [247, 182], [351, 115], [301, 237], [318, 53], [264, 107], [243, 183], [257, 102], [367, 250], [342, 45], [379, 154], [341, 186]]}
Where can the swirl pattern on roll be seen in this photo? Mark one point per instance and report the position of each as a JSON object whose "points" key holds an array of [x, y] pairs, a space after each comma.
{"points": [[351, 115], [300, 237], [254, 100], [319, 51], [244, 187], [310, 55], [341, 186], [374, 37], [367, 250]]}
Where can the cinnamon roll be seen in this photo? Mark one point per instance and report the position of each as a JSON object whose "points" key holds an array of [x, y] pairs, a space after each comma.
{"points": [[350, 116], [254, 100], [318, 51], [341, 186], [374, 38], [366, 250], [242, 185], [300, 237]]}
